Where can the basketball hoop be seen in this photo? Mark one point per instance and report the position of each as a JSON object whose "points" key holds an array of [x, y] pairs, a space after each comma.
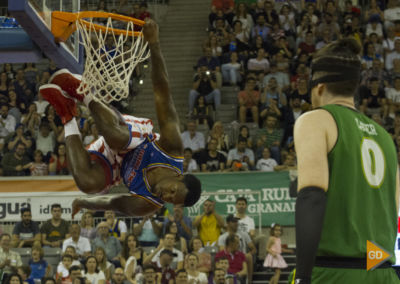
{"points": [[111, 53]]}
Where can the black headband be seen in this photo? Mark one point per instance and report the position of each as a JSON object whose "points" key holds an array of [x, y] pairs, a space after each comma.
{"points": [[340, 72]]}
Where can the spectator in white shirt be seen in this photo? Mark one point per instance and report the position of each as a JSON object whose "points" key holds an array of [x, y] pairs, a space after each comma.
{"points": [[92, 273], [392, 13], [81, 244], [192, 261], [393, 96], [189, 164], [246, 223], [191, 138], [7, 124], [242, 154], [167, 243], [395, 54], [260, 63], [266, 163]]}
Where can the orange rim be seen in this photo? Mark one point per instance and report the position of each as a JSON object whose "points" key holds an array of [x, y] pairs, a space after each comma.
{"points": [[63, 24]]}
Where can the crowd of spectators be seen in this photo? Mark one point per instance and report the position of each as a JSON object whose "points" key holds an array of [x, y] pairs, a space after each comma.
{"points": [[165, 248], [264, 48]]}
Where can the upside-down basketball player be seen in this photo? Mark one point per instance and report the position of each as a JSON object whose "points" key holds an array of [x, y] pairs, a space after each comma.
{"points": [[150, 165], [347, 178]]}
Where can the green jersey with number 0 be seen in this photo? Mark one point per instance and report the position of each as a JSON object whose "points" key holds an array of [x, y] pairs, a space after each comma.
{"points": [[361, 202]]}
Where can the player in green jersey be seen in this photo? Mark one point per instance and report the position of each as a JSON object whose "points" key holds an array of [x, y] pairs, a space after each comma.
{"points": [[348, 183]]}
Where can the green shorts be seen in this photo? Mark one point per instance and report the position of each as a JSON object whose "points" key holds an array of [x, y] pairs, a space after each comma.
{"points": [[323, 275]]}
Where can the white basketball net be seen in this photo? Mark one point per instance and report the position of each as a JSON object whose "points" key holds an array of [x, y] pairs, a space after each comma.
{"points": [[108, 68]]}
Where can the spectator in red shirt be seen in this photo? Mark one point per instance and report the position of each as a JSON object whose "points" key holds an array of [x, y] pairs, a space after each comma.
{"points": [[249, 99], [226, 6], [237, 259], [308, 45]]}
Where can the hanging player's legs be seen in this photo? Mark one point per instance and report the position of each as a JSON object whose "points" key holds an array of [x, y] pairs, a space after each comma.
{"points": [[87, 172]]}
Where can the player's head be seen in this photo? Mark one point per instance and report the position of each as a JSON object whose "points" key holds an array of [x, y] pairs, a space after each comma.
{"points": [[335, 71], [184, 190]]}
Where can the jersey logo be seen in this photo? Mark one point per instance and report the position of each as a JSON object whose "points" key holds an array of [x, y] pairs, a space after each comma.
{"points": [[366, 127], [375, 255]]}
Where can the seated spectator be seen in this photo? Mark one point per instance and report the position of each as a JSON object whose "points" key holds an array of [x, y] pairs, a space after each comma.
{"points": [[103, 264], [391, 13], [71, 250], [191, 266], [302, 93], [217, 132], [308, 45], [241, 35], [20, 84], [270, 137], [209, 224], [163, 266], [388, 42], [226, 6], [272, 100], [51, 116], [288, 164], [210, 159], [46, 138], [25, 271], [266, 163], [281, 78], [183, 222], [191, 138], [326, 39], [92, 273], [213, 43], [282, 62], [55, 230], [58, 162], [26, 232], [189, 164], [148, 229], [16, 163], [118, 277], [48, 280], [31, 74], [219, 276], [9, 260], [245, 241], [242, 14], [242, 154], [373, 99], [201, 112], [232, 71], [393, 97], [236, 258], [260, 64], [205, 84], [109, 243], [304, 26], [88, 229], [39, 266], [150, 276], [41, 105], [7, 124], [13, 278], [168, 243], [4, 82], [379, 72], [81, 244], [19, 136], [63, 268], [9, 70], [260, 28], [75, 273], [395, 54], [373, 38], [132, 250], [249, 100], [222, 263], [328, 23], [276, 32], [93, 134], [369, 55], [205, 260], [211, 62], [180, 242], [118, 228], [244, 132], [38, 167]]}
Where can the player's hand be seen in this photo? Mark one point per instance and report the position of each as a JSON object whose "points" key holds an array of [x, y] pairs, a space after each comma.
{"points": [[150, 31], [76, 207]]}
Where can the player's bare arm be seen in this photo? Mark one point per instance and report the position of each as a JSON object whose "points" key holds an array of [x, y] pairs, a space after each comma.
{"points": [[166, 113], [124, 203], [315, 134]]}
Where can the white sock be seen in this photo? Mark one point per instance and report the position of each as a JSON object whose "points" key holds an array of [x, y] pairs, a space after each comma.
{"points": [[71, 128]]}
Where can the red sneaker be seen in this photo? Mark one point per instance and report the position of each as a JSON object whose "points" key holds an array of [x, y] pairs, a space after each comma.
{"points": [[64, 106], [68, 82]]}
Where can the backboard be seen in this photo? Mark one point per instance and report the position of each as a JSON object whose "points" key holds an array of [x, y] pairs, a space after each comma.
{"points": [[35, 18]]}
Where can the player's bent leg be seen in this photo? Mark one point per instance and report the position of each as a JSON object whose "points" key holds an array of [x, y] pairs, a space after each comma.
{"points": [[88, 173], [111, 125]]}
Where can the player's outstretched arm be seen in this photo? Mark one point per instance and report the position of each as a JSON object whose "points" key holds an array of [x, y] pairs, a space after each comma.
{"points": [[166, 113], [126, 204]]}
